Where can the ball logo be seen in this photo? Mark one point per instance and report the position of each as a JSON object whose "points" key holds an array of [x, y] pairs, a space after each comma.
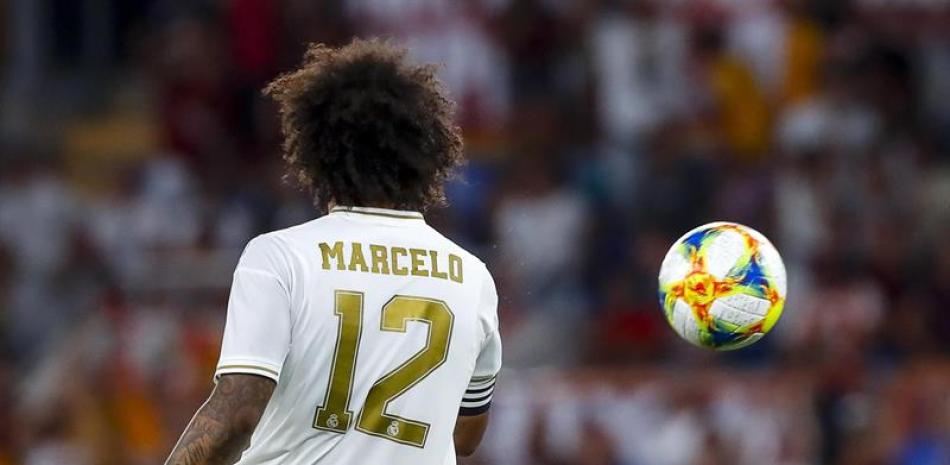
{"points": [[333, 421], [700, 288], [393, 429]]}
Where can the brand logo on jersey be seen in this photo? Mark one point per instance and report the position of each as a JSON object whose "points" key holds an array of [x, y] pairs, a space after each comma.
{"points": [[398, 261]]}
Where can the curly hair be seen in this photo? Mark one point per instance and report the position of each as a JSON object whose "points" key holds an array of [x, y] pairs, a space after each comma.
{"points": [[364, 127]]}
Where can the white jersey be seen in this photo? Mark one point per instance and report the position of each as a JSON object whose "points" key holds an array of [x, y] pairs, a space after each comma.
{"points": [[378, 330]]}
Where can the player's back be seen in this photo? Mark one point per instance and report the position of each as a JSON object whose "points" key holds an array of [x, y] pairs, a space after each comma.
{"points": [[376, 328]]}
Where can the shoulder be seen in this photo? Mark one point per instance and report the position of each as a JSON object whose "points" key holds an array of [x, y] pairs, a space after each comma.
{"points": [[281, 250], [265, 248], [275, 251], [472, 261], [467, 256], [266, 255], [485, 282]]}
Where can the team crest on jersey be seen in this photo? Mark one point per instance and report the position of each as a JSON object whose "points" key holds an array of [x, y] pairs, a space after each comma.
{"points": [[393, 429], [333, 421]]}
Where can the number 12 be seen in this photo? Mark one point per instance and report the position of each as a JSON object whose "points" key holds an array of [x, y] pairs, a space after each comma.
{"points": [[335, 414]]}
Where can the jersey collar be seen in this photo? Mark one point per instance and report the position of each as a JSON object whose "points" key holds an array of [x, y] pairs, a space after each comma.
{"points": [[379, 212]]}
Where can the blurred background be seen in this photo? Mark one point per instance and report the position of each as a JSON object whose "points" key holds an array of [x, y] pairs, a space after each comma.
{"points": [[138, 157]]}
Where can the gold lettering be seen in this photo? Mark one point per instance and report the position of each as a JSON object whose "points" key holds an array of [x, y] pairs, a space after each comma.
{"points": [[385, 260], [380, 259], [435, 273], [399, 270], [455, 268], [335, 253], [356, 258], [416, 256]]}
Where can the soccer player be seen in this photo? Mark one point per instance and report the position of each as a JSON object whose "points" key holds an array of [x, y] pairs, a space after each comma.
{"points": [[363, 336]]}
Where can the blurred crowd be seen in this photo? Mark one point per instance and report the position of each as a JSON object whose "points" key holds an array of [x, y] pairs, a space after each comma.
{"points": [[137, 157]]}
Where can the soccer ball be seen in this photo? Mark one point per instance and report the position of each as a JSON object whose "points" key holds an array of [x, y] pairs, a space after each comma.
{"points": [[722, 286]]}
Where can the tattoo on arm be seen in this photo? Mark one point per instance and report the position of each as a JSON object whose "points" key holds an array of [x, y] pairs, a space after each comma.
{"points": [[222, 428]]}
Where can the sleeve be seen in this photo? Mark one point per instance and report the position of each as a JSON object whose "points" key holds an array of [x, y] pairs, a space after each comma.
{"points": [[258, 328], [478, 396]]}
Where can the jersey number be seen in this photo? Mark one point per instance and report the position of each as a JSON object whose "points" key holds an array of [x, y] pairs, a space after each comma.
{"points": [[335, 414]]}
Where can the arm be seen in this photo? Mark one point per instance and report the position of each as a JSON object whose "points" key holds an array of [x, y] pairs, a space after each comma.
{"points": [[222, 428], [468, 433], [473, 411]]}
